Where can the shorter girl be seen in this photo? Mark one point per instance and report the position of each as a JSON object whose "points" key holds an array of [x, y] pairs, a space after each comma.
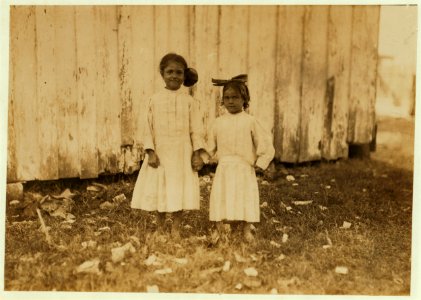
{"points": [[242, 146]]}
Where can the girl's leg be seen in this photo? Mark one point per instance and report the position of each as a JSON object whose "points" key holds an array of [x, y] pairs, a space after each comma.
{"points": [[176, 225], [160, 222], [248, 236]]}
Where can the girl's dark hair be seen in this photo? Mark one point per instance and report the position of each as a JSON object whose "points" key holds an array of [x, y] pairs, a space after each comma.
{"points": [[171, 57], [241, 88], [190, 74]]}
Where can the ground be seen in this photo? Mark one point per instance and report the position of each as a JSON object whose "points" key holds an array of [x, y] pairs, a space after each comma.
{"points": [[350, 234]]}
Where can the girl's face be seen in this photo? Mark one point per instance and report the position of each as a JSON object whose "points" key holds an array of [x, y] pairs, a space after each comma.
{"points": [[173, 75], [233, 101]]}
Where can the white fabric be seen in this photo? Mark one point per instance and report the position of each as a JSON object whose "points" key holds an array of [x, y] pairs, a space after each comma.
{"points": [[240, 143], [173, 128]]}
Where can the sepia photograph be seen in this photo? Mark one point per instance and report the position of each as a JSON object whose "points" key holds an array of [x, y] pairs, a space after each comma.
{"points": [[209, 150]]}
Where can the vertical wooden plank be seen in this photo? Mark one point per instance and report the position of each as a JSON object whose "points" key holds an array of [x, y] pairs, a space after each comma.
{"points": [[161, 41], [108, 106], [289, 48], [233, 33], [86, 78], [24, 89], [365, 29], [125, 57], [261, 67], [143, 65], [314, 82], [47, 98], [65, 63], [11, 134], [204, 54], [178, 30], [334, 143]]}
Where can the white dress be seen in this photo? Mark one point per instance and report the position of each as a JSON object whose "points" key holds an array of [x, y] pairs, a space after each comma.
{"points": [[173, 131], [240, 143]]}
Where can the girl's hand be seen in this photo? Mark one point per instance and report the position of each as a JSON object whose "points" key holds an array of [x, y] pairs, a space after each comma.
{"points": [[259, 170], [153, 159], [196, 161]]}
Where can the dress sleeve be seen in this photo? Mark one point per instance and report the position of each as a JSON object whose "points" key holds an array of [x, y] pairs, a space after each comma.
{"points": [[264, 146], [196, 126], [148, 134]]}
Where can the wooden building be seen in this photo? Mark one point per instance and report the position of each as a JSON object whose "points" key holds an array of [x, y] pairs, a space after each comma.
{"points": [[80, 78]]}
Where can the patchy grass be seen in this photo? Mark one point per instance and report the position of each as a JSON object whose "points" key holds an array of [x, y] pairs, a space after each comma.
{"points": [[374, 197]]}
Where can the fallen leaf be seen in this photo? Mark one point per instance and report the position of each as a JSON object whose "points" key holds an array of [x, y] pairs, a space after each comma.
{"points": [[92, 188], [89, 244], [238, 286], [65, 194], [118, 254], [322, 207], [163, 271], [152, 289], [89, 266], [152, 260], [264, 204], [346, 225], [264, 182], [275, 244], [239, 258], [284, 238], [105, 228], [306, 202], [274, 291], [226, 266], [341, 270], [251, 272], [295, 184], [327, 246], [102, 186], [14, 202], [187, 226], [252, 282], [180, 261], [275, 221], [119, 198], [281, 257], [328, 186], [107, 205], [290, 178], [303, 175], [332, 180], [253, 257]]}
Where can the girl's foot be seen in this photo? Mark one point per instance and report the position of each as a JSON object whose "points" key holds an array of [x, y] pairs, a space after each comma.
{"points": [[248, 236]]}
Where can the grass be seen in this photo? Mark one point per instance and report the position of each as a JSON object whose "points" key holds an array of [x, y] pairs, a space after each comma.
{"points": [[373, 196]]}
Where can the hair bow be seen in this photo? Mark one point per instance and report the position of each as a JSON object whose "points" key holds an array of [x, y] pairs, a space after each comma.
{"points": [[221, 82]]}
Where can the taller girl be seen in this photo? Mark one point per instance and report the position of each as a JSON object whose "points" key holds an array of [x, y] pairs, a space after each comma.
{"points": [[173, 139]]}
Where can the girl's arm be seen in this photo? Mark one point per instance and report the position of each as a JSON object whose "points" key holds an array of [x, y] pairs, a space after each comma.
{"points": [[196, 126], [148, 138], [264, 146]]}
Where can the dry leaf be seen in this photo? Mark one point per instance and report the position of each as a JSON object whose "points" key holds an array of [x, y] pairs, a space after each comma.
{"points": [[238, 286], [290, 178], [264, 204], [119, 198], [322, 207], [346, 225], [226, 266], [180, 261], [65, 194], [307, 202], [264, 182], [253, 257], [328, 186], [14, 202], [92, 188], [163, 271], [341, 270], [295, 184], [284, 238], [281, 257], [274, 291], [89, 244], [152, 289], [239, 258], [104, 187], [118, 254], [107, 205], [252, 282], [90, 266], [152, 260], [275, 244], [251, 272]]}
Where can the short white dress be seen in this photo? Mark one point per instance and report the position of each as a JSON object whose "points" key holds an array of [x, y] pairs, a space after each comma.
{"points": [[173, 131], [240, 142]]}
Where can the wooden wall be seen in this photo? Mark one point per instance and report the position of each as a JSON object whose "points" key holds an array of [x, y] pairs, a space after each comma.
{"points": [[80, 78]]}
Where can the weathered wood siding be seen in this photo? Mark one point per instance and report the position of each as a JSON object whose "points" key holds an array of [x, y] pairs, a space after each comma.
{"points": [[81, 77]]}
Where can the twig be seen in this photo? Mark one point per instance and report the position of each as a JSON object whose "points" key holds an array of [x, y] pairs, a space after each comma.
{"points": [[44, 228]]}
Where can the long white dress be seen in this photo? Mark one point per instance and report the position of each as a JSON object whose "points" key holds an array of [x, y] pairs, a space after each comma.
{"points": [[240, 142], [173, 131]]}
